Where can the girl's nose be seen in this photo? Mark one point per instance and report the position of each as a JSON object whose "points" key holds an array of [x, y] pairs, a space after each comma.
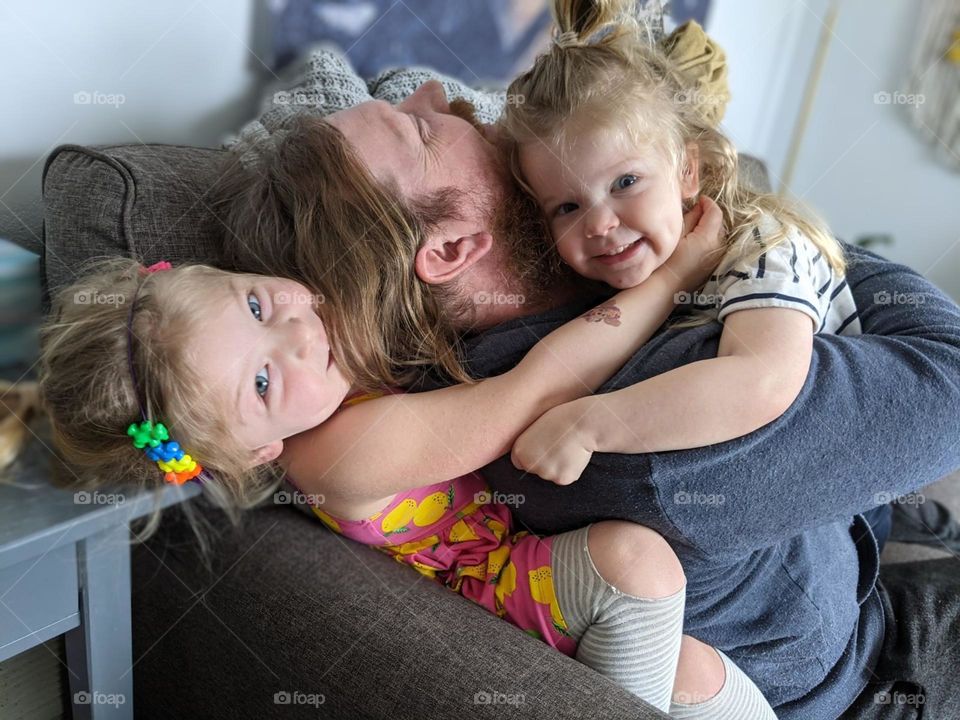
{"points": [[600, 221], [301, 337]]}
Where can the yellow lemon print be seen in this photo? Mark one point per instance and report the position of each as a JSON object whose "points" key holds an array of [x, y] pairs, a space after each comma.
{"points": [[541, 591], [432, 507], [414, 546], [425, 570], [496, 559], [461, 532], [475, 571], [506, 584], [397, 519], [327, 520], [496, 527]]}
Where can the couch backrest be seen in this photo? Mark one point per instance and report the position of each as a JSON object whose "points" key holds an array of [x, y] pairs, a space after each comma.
{"points": [[144, 201]]}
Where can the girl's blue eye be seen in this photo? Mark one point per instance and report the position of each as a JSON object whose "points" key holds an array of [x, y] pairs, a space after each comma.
{"points": [[254, 304], [566, 208], [625, 181], [262, 382]]}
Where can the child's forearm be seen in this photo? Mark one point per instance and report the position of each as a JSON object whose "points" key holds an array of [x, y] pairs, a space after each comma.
{"points": [[578, 357], [704, 403]]}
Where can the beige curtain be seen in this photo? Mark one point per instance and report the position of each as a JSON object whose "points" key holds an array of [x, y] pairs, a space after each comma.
{"points": [[933, 94]]}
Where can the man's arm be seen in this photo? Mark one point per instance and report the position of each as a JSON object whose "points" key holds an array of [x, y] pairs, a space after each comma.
{"points": [[877, 417]]}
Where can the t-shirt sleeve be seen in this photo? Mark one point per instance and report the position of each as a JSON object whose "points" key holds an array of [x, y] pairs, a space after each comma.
{"points": [[792, 274]]}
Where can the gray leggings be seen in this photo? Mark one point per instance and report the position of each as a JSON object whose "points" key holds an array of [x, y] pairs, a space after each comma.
{"points": [[636, 641]]}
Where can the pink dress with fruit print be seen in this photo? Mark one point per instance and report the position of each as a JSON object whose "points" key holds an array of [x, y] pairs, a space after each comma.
{"points": [[454, 533]]}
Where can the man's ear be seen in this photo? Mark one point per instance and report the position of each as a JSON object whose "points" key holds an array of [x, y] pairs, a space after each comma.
{"points": [[440, 261], [690, 172], [267, 453]]}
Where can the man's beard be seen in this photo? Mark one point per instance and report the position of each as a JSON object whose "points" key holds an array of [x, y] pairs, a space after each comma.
{"points": [[520, 229], [527, 250]]}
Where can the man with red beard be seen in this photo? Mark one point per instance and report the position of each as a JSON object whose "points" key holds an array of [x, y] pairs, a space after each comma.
{"points": [[783, 575]]}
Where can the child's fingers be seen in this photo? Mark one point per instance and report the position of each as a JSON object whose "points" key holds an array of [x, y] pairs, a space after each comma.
{"points": [[711, 221]]}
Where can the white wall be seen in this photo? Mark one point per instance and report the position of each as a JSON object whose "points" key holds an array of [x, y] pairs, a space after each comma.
{"points": [[859, 164], [182, 68]]}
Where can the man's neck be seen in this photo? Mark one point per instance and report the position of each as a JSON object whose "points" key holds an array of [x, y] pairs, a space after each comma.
{"points": [[513, 300]]}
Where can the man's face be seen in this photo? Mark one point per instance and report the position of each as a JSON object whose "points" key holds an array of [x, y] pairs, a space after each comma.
{"points": [[423, 147]]}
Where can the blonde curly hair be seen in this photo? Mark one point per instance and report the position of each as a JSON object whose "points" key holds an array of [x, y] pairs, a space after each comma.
{"points": [[602, 71]]}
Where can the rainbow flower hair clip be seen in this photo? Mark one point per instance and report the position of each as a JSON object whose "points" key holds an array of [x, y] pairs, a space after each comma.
{"points": [[154, 439]]}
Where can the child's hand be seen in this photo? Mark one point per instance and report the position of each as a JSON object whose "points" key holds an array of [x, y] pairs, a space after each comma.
{"points": [[697, 256], [553, 446]]}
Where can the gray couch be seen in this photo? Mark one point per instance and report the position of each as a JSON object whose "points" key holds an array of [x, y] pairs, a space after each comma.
{"points": [[287, 606]]}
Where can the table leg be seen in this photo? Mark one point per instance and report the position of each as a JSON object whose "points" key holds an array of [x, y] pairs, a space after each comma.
{"points": [[100, 650]]}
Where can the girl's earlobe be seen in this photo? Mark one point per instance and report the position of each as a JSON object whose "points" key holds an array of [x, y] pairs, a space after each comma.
{"points": [[267, 453], [690, 177]]}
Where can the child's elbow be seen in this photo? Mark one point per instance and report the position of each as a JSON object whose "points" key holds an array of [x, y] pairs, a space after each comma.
{"points": [[779, 392]]}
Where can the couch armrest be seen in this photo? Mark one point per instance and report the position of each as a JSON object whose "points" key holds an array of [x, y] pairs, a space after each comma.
{"points": [[291, 607]]}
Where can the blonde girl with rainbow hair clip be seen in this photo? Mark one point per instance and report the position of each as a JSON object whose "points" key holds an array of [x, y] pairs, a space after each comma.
{"points": [[614, 143]]}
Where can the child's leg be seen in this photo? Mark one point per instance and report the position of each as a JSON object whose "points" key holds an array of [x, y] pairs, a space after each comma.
{"points": [[710, 687], [620, 589]]}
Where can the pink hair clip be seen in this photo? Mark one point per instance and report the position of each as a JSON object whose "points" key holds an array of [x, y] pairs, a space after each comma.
{"points": [[156, 267]]}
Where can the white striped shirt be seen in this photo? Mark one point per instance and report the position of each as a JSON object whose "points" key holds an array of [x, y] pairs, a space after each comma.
{"points": [[793, 274]]}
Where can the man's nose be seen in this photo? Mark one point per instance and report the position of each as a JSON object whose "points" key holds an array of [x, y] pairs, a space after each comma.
{"points": [[600, 221], [429, 96]]}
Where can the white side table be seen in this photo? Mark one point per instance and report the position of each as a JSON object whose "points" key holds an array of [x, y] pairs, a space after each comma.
{"points": [[65, 569]]}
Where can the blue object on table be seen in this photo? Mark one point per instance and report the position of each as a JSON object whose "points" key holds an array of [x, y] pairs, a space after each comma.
{"points": [[19, 304]]}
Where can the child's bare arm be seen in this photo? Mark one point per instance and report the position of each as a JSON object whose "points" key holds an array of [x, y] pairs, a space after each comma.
{"points": [[760, 368], [380, 447]]}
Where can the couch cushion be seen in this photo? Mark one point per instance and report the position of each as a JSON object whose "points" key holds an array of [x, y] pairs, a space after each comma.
{"points": [[147, 201]]}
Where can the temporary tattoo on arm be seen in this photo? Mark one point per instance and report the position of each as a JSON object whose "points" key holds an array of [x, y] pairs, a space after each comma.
{"points": [[608, 313]]}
